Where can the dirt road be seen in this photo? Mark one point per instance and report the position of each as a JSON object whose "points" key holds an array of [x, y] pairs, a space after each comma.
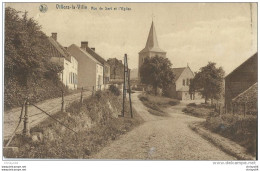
{"points": [[51, 106], [162, 138]]}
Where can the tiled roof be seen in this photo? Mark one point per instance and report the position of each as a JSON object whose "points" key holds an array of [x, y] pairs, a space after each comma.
{"points": [[177, 72], [95, 55], [252, 58], [57, 50], [75, 50], [247, 95]]}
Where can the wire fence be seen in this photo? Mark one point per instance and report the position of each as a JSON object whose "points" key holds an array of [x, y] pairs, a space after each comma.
{"points": [[235, 108], [40, 112]]}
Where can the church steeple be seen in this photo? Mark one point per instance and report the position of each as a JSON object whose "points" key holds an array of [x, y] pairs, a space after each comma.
{"points": [[151, 49], [152, 42], [152, 38]]}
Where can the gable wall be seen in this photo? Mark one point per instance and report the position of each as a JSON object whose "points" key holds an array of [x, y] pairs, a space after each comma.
{"points": [[87, 68]]}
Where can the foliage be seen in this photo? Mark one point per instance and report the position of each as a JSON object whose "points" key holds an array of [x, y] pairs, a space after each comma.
{"points": [[210, 81], [113, 89], [156, 104], [95, 124], [238, 128], [27, 58], [199, 110], [157, 72]]}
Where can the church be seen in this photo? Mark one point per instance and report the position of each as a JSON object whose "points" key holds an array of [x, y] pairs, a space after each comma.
{"points": [[180, 88]]}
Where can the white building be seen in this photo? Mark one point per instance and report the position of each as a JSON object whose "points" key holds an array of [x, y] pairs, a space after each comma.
{"points": [[60, 55]]}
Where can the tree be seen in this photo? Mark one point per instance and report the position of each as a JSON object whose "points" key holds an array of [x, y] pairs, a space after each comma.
{"points": [[26, 48], [157, 72], [209, 81], [27, 57]]}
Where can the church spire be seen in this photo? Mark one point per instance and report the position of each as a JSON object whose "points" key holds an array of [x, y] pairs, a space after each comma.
{"points": [[152, 38], [152, 42]]}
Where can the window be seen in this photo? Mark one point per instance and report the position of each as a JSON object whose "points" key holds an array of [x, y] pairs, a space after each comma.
{"points": [[188, 83], [183, 82]]}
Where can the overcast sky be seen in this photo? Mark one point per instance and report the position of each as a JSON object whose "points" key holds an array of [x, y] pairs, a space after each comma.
{"points": [[193, 33]]}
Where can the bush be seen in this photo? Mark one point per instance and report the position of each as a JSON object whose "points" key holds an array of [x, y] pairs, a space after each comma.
{"points": [[174, 102], [113, 89], [94, 121], [192, 104], [238, 128]]}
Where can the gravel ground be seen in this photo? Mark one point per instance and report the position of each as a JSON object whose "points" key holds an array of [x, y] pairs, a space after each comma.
{"points": [[51, 106], [162, 138]]}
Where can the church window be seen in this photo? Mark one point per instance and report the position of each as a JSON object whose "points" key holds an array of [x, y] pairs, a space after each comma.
{"points": [[183, 82]]}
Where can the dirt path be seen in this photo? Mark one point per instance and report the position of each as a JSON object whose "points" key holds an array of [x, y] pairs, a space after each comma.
{"points": [[51, 106], [162, 138]]}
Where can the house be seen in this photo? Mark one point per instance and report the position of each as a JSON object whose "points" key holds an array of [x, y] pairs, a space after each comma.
{"points": [[90, 70], [180, 88], [60, 55], [241, 82], [106, 66], [151, 49]]}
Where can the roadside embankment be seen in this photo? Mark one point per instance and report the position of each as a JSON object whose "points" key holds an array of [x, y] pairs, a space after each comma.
{"points": [[86, 129]]}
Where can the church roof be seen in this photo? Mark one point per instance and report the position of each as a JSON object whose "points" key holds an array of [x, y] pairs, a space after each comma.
{"points": [[152, 42]]}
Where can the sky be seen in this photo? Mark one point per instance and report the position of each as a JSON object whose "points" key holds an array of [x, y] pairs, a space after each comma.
{"points": [[191, 33]]}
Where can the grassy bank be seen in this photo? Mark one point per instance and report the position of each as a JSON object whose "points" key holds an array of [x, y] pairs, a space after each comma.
{"points": [[198, 110], [95, 122], [156, 104], [238, 128]]}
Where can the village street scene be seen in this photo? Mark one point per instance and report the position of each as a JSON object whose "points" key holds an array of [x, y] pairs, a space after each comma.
{"points": [[130, 81]]}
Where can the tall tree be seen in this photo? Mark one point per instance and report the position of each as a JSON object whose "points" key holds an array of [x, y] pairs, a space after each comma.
{"points": [[210, 81], [27, 57], [157, 72]]}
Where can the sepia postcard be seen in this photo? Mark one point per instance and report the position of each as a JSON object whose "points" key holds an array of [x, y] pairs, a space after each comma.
{"points": [[86, 81]]}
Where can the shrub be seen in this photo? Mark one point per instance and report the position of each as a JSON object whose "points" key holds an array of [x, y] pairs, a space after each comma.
{"points": [[174, 102], [192, 104], [113, 89], [238, 128], [94, 123]]}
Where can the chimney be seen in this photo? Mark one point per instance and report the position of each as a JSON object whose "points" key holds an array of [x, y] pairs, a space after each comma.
{"points": [[54, 36], [93, 49], [84, 44]]}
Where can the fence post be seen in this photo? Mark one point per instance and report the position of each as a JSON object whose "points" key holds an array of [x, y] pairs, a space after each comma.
{"points": [[245, 109], [62, 101], [81, 96], [233, 108], [93, 91], [26, 128], [219, 109]]}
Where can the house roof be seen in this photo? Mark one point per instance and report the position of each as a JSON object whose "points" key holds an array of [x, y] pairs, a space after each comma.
{"points": [[152, 42], [177, 72], [248, 94], [95, 55], [244, 63], [57, 50], [75, 53]]}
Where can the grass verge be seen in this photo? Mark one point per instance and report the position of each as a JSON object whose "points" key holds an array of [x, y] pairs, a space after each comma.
{"points": [[201, 110], [238, 128], [95, 122], [156, 104]]}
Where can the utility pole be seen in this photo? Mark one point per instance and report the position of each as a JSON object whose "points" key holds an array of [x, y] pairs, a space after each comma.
{"points": [[126, 87]]}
